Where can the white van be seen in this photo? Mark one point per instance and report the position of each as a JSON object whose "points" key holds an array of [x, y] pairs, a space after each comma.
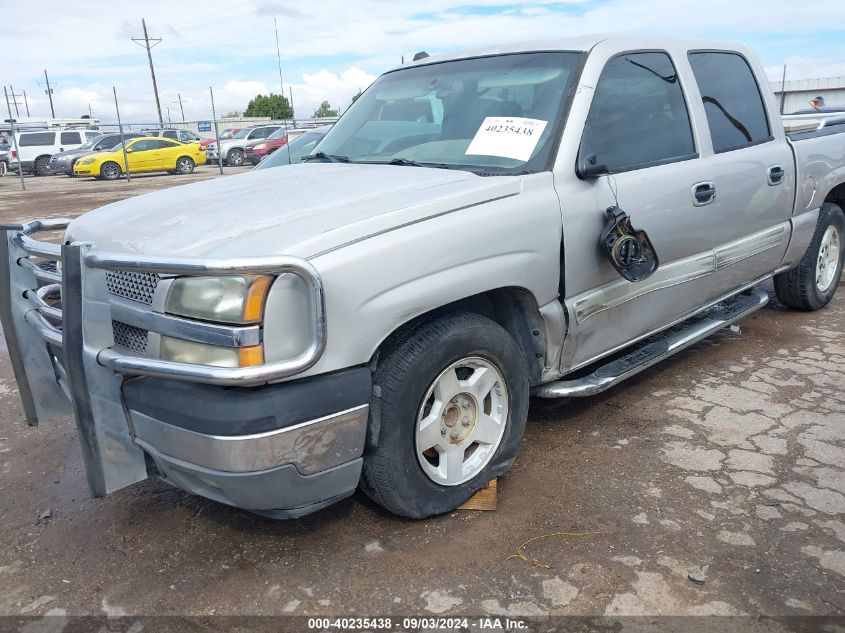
{"points": [[37, 147]]}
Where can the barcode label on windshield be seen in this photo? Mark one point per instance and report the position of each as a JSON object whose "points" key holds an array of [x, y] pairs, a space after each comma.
{"points": [[507, 137]]}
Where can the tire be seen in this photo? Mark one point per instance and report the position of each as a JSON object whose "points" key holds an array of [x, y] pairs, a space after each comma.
{"points": [[399, 473], [70, 171], [812, 284], [235, 158], [41, 166], [110, 171], [184, 165]]}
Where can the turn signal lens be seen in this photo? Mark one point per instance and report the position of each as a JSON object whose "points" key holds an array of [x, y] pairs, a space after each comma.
{"points": [[251, 356]]}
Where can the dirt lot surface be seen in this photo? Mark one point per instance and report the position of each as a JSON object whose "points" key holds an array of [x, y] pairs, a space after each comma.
{"points": [[730, 456]]}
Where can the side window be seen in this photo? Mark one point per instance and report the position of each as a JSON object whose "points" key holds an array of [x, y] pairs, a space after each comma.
{"points": [[71, 138], [187, 137], [34, 139], [169, 134], [166, 144], [638, 116], [142, 146], [92, 135], [735, 112]]}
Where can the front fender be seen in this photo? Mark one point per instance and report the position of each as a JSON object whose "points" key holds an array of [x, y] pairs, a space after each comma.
{"points": [[376, 285]]}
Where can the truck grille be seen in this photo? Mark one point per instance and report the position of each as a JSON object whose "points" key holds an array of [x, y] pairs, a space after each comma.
{"points": [[130, 285], [130, 337]]}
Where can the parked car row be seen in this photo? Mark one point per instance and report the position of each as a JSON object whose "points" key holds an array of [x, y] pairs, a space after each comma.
{"points": [[94, 154], [144, 154]]}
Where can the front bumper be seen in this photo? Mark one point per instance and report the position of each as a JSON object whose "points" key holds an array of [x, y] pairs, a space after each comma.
{"points": [[58, 316], [284, 449]]}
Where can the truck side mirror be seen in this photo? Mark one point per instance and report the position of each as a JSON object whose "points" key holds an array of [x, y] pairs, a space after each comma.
{"points": [[629, 250], [588, 167]]}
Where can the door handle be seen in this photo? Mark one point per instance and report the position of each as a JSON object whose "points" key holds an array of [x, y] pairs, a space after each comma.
{"points": [[703, 193], [776, 175]]}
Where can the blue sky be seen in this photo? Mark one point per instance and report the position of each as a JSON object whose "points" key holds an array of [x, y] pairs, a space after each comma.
{"points": [[332, 49]]}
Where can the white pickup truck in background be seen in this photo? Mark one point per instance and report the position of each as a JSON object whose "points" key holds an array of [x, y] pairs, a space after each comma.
{"points": [[550, 218]]}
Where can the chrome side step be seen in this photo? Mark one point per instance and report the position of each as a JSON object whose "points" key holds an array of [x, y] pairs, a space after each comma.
{"points": [[644, 356]]}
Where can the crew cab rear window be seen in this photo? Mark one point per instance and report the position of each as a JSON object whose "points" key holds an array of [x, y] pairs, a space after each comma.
{"points": [[638, 116], [732, 100], [71, 138], [37, 138]]}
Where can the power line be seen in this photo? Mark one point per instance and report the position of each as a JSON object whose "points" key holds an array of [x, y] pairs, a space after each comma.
{"points": [[146, 44]]}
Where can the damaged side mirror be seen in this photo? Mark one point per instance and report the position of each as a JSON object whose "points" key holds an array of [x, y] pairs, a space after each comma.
{"points": [[628, 249]]}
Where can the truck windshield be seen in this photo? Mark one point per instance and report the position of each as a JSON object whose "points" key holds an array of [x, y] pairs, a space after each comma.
{"points": [[490, 115]]}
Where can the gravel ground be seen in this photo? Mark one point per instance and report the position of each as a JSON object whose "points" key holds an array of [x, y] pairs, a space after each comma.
{"points": [[730, 456]]}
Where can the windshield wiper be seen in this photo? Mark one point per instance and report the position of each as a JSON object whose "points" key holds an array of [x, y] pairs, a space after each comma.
{"points": [[404, 162], [326, 158]]}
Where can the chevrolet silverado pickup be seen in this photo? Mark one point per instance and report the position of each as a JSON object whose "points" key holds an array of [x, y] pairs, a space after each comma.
{"points": [[545, 219]]}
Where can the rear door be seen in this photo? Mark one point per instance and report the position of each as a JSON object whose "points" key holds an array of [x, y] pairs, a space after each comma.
{"points": [[638, 122], [751, 165]]}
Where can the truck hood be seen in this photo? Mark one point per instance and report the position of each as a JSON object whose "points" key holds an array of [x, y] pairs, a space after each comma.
{"points": [[303, 210]]}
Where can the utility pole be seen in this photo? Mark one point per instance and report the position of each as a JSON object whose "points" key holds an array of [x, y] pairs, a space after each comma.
{"points": [[26, 102], [146, 44], [279, 60], [49, 92], [14, 99], [14, 139], [292, 113], [180, 106], [783, 90]]}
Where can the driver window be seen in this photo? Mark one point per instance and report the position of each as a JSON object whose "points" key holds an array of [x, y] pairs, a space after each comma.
{"points": [[638, 116]]}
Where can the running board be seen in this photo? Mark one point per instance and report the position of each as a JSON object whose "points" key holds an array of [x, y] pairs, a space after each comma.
{"points": [[644, 356]]}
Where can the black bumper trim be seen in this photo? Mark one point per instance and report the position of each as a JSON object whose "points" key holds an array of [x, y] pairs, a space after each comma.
{"points": [[230, 411]]}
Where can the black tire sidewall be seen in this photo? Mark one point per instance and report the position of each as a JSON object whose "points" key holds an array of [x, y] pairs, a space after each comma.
{"points": [[422, 496], [106, 174], [190, 163], [829, 215], [40, 166]]}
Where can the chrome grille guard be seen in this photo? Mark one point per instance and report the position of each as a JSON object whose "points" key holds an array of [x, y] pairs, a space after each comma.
{"points": [[56, 312], [47, 319]]}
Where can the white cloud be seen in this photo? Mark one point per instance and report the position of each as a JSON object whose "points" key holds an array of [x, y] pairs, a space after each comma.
{"points": [[331, 49]]}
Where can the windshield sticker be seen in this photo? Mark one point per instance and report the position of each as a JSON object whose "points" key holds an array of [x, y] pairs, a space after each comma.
{"points": [[507, 137]]}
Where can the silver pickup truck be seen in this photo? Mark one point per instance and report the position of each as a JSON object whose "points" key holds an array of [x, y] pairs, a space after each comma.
{"points": [[545, 219]]}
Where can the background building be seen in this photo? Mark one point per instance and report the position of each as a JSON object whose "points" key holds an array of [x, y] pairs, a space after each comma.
{"points": [[800, 92]]}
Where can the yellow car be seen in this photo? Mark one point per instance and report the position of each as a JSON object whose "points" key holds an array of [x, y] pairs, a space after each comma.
{"points": [[146, 153]]}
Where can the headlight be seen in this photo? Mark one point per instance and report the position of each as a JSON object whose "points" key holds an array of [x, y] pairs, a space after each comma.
{"points": [[220, 299], [181, 351], [86, 161]]}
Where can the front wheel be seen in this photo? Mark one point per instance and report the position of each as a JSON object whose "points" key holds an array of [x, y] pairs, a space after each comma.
{"points": [[185, 165], [110, 171], [812, 284], [450, 416], [235, 158]]}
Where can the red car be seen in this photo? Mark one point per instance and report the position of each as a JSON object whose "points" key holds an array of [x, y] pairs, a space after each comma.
{"points": [[258, 149], [224, 135]]}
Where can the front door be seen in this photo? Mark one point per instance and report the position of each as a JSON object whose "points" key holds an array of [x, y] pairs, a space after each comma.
{"points": [[639, 128]]}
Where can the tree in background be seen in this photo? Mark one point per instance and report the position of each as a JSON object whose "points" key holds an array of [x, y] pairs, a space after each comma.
{"points": [[273, 106], [355, 97], [325, 110]]}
